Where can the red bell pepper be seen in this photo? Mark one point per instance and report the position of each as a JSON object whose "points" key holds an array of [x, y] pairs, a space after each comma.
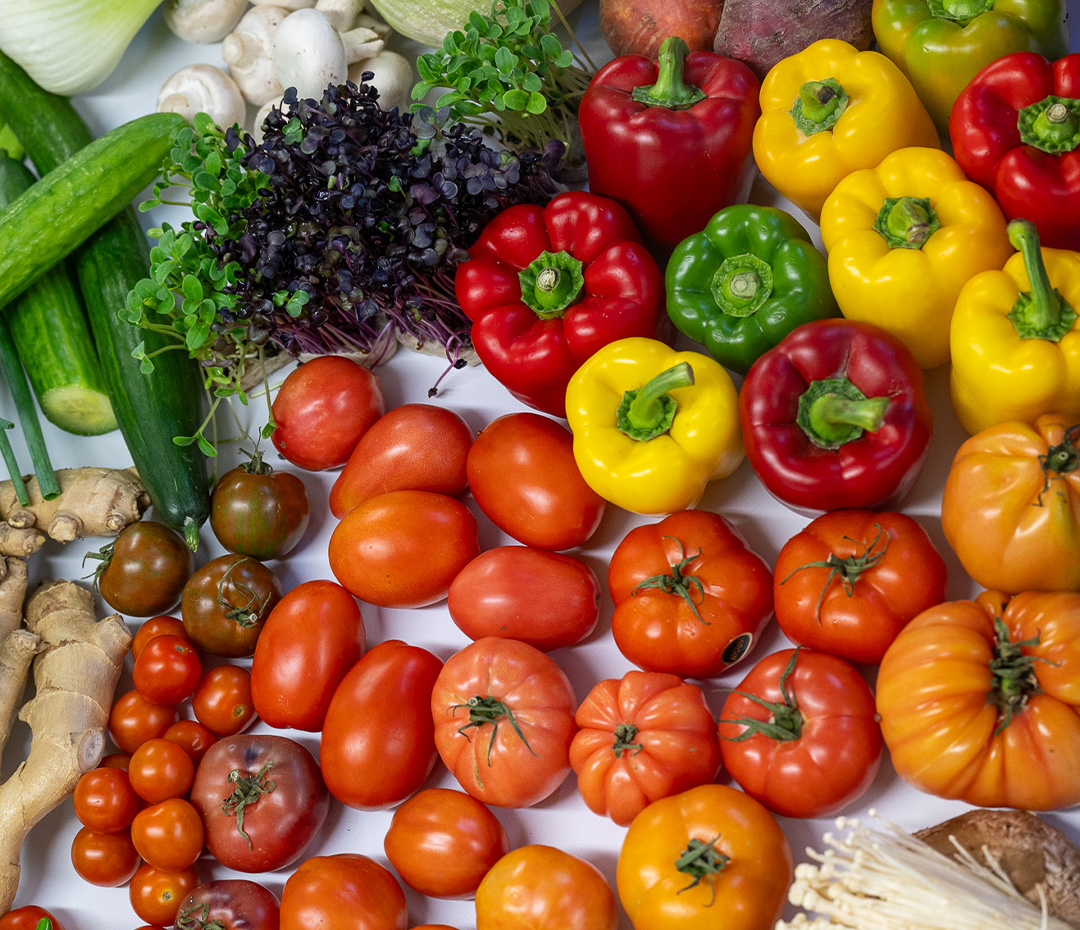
{"points": [[1015, 130], [835, 416], [671, 138], [545, 287]]}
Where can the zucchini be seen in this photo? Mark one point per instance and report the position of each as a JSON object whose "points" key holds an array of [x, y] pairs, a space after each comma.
{"points": [[52, 337]]}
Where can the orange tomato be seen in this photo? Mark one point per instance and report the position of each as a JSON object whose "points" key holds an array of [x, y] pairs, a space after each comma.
{"points": [[346, 891]]}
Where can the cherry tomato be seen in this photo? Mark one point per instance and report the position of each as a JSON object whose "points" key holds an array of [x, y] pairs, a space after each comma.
{"points": [[27, 918], [104, 859], [346, 891], [144, 569], [229, 904], [116, 760], [133, 720], [168, 835], [262, 799], [322, 409], [442, 843], [311, 639], [257, 511], [412, 446], [403, 548], [222, 700], [523, 475], [226, 602], [160, 769], [167, 670], [105, 801], [156, 626], [156, 893], [192, 736]]}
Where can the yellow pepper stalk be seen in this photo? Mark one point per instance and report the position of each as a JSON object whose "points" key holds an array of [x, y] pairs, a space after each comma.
{"points": [[903, 239], [1016, 337], [830, 110], [653, 426]]}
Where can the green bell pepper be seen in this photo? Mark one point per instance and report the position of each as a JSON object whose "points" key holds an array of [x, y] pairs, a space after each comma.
{"points": [[745, 281], [942, 44]]}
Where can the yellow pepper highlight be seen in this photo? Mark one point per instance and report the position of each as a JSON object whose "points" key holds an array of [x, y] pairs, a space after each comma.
{"points": [[864, 106], [903, 239], [686, 420]]}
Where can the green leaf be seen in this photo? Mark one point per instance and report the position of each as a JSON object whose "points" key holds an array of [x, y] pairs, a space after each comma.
{"points": [[550, 45], [516, 99], [532, 83], [565, 60], [537, 103], [197, 335], [505, 60], [192, 288]]}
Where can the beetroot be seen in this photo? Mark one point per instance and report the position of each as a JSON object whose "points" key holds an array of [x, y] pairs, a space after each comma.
{"points": [[639, 26]]}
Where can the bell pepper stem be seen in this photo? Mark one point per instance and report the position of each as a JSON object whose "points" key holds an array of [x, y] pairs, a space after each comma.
{"points": [[959, 11], [1041, 313], [906, 222], [649, 411], [833, 412], [742, 284], [551, 283], [670, 90], [1051, 125], [819, 105]]}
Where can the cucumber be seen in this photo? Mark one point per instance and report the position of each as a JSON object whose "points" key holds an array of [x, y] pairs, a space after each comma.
{"points": [[52, 337]]}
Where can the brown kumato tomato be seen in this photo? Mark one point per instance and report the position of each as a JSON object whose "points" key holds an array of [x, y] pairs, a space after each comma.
{"points": [[143, 571], [226, 602], [257, 511]]}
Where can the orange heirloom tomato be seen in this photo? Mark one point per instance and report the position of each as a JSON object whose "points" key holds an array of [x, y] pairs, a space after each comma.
{"points": [[544, 888], [1011, 505], [346, 891], [640, 738], [711, 858], [504, 720], [980, 700]]}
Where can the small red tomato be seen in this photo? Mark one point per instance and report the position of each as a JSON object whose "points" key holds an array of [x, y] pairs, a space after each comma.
{"points": [[105, 801], [107, 860], [133, 720], [322, 409], [222, 701], [144, 569], [160, 769], [168, 835], [27, 918], [156, 894], [156, 626], [192, 736], [167, 670], [257, 511]]}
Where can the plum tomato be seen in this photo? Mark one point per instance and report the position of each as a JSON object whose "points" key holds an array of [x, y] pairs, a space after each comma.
{"points": [[143, 571], [258, 511], [229, 904], [222, 700], [107, 860], [226, 602], [167, 670], [156, 894]]}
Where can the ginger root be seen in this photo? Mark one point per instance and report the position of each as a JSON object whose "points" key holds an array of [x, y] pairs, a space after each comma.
{"points": [[75, 676], [17, 646]]}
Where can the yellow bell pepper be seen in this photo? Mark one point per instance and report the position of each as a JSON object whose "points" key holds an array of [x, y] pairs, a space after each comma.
{"points": [[1016, 337], [653, 426], [903, 239], [829, 110]]}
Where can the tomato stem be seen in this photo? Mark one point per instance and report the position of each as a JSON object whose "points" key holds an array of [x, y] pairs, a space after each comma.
{"points": [[1060, 459], [247, 791], [197, 917], [489, 710], [702, 860], [785, 719], [678, 582], [1014, 680], [624, 739], [245, 615]]}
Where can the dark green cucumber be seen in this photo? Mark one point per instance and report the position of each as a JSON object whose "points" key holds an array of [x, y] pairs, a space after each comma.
{"points": [[52, 336]]}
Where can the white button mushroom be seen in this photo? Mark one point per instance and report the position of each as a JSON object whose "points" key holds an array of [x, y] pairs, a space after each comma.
{"points": [[288, 4], [203, 89], [203, 21], [393, 77], [341, 13], [248, 51], [309, 53]]}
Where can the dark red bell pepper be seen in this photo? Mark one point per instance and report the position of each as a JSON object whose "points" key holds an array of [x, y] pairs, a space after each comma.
{"points": [[546, 287], [835, 416], [671, 138], [1015, 129]]}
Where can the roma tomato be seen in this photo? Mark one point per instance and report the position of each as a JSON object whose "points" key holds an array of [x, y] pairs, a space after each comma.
{"points": [[413, 446], [346, 891], [168, 835], [167, 670], [848, 582], [980, 700], [226, 602], [104, 800], [710, 858], [403, 548], [143, 571], [257, 511], [442, 843], [311, 639], [523, 475], [1011, 506], [546, 599], [222, 700], [544, 888], [504, 719], [133, 720], [229, 904], [640, 738], [107, 860], [156, 894], [262, 800], [322, 409], [27, 918], [378, 739], [800, 735], [691, 598]]}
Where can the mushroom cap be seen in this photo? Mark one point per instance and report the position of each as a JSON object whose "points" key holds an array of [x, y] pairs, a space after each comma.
{"points": [[203, 21], [309, 53], [202, 88]]}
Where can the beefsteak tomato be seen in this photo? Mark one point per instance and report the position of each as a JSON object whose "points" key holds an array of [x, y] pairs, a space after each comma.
{"points": [[346, 891], [229, 904]]}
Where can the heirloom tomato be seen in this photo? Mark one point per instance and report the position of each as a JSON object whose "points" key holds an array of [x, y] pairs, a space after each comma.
{"points": [[226, 602], [155, 894], [848, 582], [523, 475], [442, 842], [107, 860], [222, 700], [27, 918], [641, 738], [504, 719], [143, 571], [346, 891], [691, 598], [257, 511], [544, 888], [710, 858], [980, 700], [169, 834], [1011, 505], [378, 739], [799, 733], [262, 799], [229, 904]]}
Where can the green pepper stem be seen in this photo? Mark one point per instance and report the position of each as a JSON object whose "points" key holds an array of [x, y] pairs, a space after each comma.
{"points": [[670, 90], [1051, 125], [830, 416], [551, 283], [960, 11], [907, 222], [1042, 308], [742, 284], [649, 411], [819, 105]]}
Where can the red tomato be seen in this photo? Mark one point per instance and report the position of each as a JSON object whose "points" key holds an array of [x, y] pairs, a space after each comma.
{"points": [[546, 599], [105, 801], [691, 598], [343, 892], [156, 626], [156, 894], [229, 904], [27, 918], [310, 640], [413, 446], [504, 719], [168, 835], [403, 548], [167, 670], [257, 511], [133, 720], [378, 740], [116, 760], [643, 737], [523, 475], [442, 843], [104, 859], [810, 744], [850, 580], [222, 701], [160, 769], [322, 409], [192, 736], [262, 800]]}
